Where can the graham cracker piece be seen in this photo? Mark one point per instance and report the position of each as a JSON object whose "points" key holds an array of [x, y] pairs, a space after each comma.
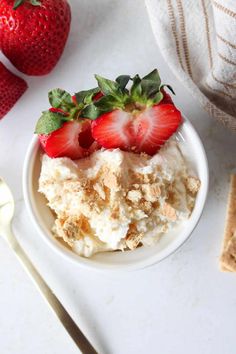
{"points": [[133, 237], [151, 191], [134, 195], [193, 184], [168, 211], [228, 254]]}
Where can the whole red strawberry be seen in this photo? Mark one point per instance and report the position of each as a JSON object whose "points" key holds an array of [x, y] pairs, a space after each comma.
{"points": [[12, 88], [33, 33]]}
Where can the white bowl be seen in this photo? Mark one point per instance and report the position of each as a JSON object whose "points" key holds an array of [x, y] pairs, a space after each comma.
{"points": [[142, 257]]}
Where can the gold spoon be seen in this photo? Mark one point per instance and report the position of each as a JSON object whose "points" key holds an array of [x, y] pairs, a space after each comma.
{"points": [[6, 216]]}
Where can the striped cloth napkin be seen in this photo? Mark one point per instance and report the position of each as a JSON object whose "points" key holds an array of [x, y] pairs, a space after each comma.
{"points": [[198, 40]]}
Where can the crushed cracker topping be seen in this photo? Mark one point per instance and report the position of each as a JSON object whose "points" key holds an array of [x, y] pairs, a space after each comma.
{"points": [[116, 200], [193, 184]]}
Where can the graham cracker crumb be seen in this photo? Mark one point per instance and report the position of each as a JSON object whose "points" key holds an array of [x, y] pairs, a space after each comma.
{"points": [[73, 227], [151, 191], [111, 181], [99, 189], [168, 211], [146, 207], [109, 178], [115, 212], [134, 196], [193, 184], [137, 178], [111, 190], [133, 237]]}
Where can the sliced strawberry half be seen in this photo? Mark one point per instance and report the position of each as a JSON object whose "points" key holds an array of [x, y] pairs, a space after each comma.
{"points": [[140, 132], [138, 118], [65, 141], [12, 88], [113, 130], [155, 126]]}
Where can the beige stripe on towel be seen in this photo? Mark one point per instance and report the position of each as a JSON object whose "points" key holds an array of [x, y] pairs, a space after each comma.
{"points": [[198, 40]]}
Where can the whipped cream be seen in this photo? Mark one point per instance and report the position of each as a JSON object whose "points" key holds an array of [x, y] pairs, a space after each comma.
{"points": [[116, 200]]}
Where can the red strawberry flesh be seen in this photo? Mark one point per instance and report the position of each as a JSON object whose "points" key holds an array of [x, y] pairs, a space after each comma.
{"points": [[58, 110], [12, 88], [155, 127], [140, 132], [65, 141], [113, 130], [86, 139], [98, 96]]}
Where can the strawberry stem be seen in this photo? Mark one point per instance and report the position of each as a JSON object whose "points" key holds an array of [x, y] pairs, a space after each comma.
{"points": [[18, 3]]}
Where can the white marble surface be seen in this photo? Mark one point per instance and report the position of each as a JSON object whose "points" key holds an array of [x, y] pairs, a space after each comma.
{"points": [[182, 305]]}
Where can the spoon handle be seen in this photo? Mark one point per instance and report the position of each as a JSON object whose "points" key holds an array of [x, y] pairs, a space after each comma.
{"points": [[79, 338]]}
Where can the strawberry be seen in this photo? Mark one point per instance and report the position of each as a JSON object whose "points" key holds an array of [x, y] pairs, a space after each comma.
{"points": [[33, 33], [65, 141], [86, 139], [11, 89], [113, 130], [143, 132], [96, 97], [140, 119], [166, 98], [155, 126], [58, 110], [63, 130]]}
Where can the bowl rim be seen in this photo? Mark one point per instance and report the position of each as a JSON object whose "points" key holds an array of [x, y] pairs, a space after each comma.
{"points": [[96, 265]]}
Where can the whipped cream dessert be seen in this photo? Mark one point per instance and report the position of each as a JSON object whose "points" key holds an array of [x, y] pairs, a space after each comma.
{"points": [[118, 200]]}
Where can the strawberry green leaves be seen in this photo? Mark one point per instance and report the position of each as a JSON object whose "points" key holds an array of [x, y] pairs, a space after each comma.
{"points": [[157, 98], [144, 92], [91, 111], [122, 81], [136, 88], [108, 87], [17, 3], [147, 90], [64, 109], [86, 97], [85, 102], [103, 105], [60, 99], [115, 95], [35, 2], [116, 89], [150, 84], [108, 96], [48, 122]]}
